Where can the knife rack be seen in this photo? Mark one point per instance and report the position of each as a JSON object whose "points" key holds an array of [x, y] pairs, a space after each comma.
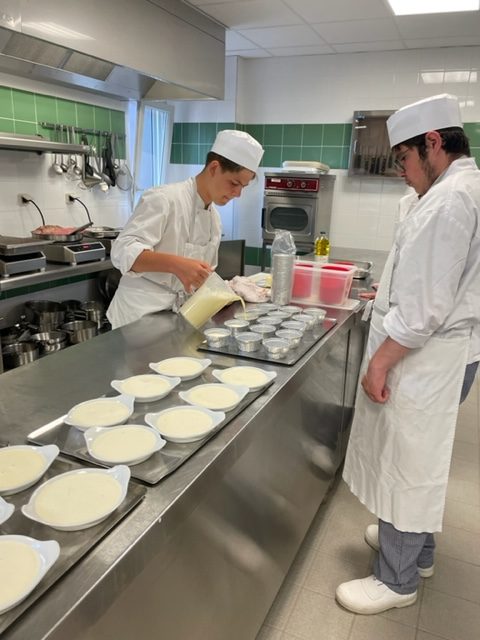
{"points": [[370, 153]]}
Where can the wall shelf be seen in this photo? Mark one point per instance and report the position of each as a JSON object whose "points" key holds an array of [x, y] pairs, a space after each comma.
{"points": [[38, 144]]}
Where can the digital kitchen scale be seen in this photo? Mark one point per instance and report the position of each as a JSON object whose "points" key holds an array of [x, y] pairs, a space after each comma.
{"points": [[20, 255], [75, 252]]}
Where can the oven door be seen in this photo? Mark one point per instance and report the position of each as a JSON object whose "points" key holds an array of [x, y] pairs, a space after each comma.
{"points": [[296, 215]]}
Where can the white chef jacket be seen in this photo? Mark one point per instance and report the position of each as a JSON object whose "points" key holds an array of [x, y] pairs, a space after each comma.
{"points": [[435, 287], [168, 219]]}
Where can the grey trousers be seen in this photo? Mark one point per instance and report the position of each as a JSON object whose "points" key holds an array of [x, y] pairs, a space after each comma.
{"points": [[470, 373], [400, 555]]}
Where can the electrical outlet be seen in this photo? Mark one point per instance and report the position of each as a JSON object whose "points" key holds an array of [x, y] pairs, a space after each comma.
{"points": [[70, 198], [24, 198]]}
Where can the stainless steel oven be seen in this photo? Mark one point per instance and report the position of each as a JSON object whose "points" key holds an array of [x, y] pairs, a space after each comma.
{"points": [[298, 202]]}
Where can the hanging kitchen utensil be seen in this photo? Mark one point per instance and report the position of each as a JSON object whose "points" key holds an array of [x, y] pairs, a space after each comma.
{"points": [[124, 179], [90, 177], [56, 167], [108, 168]]}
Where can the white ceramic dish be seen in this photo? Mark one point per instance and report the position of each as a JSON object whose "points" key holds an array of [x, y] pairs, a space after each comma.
{"points": [[197, 396], [48, 453], [120, 473], [242, 374], [111, 436], [6, 510], [47, 553], [190, 422], [198, 367], [101, 421], [151, 381]]}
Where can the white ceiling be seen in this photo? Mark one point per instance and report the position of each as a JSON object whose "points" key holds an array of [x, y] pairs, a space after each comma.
{"points": [[265, 28]]}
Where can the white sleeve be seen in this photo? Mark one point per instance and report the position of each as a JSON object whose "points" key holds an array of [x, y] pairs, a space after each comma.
{"points": [[430, 264], [142, 232]]}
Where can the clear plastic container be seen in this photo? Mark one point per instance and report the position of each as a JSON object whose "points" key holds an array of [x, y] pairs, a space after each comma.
{"points": [[317, 283], [207, 300]]}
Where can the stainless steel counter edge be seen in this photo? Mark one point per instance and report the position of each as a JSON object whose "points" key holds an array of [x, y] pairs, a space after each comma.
{"points": [[53, 272], [40, 392]]}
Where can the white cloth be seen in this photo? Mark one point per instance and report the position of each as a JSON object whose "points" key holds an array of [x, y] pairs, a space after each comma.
{"points": [[168, 219], [429, 114], [436, 277]]}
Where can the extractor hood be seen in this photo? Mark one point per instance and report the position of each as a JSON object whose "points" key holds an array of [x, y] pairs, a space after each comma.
{"points": [[108, 58]]}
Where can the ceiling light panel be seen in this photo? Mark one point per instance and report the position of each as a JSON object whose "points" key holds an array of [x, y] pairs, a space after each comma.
{"points": [[416, 7]]}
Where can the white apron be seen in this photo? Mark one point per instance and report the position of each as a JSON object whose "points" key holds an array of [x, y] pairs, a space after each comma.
{"points": [[136, 297], [398, 456]]}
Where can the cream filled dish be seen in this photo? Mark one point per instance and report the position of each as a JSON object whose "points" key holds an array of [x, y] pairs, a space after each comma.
{"points": [[101, 412], [146, 387], [23, 563], [182, 367], [184, 424], [77, 499], [217, 397], [127, 444], [22, 465], [252, 377]]}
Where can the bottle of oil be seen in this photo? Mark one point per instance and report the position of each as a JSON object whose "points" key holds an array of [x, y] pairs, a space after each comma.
{"points": [[322, 247]]}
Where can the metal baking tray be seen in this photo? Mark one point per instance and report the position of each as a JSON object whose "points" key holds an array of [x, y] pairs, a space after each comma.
{"points": [[70, 440], [364, 268], [73, 544], [310, 338]]}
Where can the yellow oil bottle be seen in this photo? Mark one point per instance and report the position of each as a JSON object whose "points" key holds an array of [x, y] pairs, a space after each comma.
{"points": [[322, 247]]}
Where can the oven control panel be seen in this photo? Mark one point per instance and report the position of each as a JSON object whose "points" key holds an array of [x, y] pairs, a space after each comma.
{"points": [[291, 183]]}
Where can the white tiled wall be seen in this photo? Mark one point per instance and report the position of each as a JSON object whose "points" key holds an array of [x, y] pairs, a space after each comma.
{"points": [[22, 172], [328, 89]]}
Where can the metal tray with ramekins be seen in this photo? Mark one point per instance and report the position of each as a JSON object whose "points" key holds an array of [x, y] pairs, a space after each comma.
{"points": [[310, 337], [74, 545], [71, 441]]}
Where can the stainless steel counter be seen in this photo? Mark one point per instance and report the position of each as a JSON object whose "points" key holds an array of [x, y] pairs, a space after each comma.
{"points": [[204, 554], [53, 272]]}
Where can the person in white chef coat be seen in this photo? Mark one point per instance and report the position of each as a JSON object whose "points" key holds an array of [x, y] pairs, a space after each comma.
{"points": [[424, 335], [170, 244]]}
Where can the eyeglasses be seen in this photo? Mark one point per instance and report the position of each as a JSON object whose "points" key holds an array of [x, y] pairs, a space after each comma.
{"points": [[399, 162]]}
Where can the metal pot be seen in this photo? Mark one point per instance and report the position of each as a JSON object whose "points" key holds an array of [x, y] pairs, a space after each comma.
{"points": [[19, 353], [80, 330], [102, 232], [46, 313], [94, 311], [49, 341]]}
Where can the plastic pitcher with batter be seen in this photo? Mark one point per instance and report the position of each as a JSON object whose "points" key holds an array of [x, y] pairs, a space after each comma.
{"points": [[207, 300]]}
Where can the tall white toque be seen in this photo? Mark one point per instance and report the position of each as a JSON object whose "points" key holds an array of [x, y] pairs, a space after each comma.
{"points": [[239, 147], [430, 114]]}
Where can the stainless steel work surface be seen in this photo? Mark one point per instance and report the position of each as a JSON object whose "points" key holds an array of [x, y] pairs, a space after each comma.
{"points": [[73, 544], [72, 442], [309, 338]]}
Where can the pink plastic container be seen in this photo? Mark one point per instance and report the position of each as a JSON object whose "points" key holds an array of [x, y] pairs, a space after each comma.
{"points": [[302, 279], [335, 283]]}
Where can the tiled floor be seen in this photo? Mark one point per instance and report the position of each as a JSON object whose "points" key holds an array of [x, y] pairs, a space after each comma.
{"points": [[448, 606]]}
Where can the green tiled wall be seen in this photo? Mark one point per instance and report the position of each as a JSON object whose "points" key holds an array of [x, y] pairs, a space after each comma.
{"points": [[22, 111], [329, 143]]}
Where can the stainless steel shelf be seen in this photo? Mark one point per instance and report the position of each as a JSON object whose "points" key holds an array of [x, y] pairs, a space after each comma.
{"points": [[53, 272], [16, 142]]}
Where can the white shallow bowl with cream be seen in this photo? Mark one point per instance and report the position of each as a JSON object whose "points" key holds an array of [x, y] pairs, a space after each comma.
{"points": [[185, 424], [252, 377], [148, 387], [73, 501], [21, 466], [215, 396], [124, 444], [100, 412], [184, 368], [6, 510], [23, 563]]}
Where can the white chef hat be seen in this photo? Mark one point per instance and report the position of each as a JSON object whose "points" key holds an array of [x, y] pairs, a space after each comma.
{"points": [[239, 147], [430, 114]]}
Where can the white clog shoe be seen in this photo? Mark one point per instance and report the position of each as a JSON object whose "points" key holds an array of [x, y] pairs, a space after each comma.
{"points": [[369, 595], [371, 538]]}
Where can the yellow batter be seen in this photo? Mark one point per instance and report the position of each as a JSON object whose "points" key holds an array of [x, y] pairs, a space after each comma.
{"points": [[99, 413], [121, 444], [19, 568], [250, 377], [79, 498], [213, 396], [19, 467], [146, 386], [184, 423], [179, 367]]}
